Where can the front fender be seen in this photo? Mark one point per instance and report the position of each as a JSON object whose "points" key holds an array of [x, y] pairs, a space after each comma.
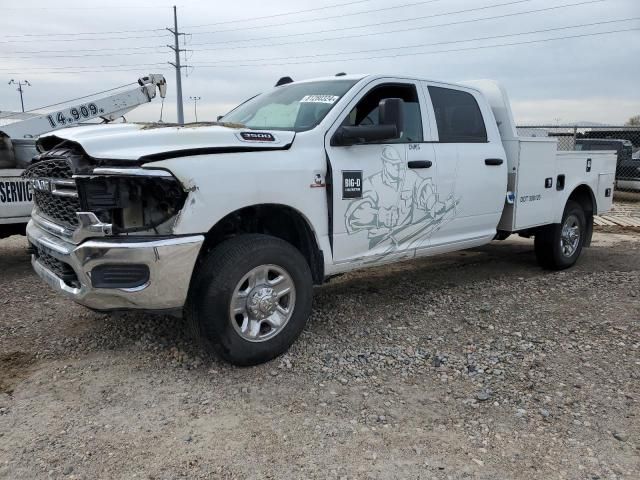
{"points": [[220, 184]]}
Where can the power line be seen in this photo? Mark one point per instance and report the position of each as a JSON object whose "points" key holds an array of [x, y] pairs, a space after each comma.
{"points": [[402, 47], [237, 28], [89, 66], [376, 57], [341, 37], [406, 47], [84, 71], [271, 25], [250, 19], [371, 50], [240, 28], [370, 11], [83, 33], [88, 50], [110, 7], [482, 47], [388, 22], [358, 35], [79, 39], [288, 23], [84, 55], [342, 15]]}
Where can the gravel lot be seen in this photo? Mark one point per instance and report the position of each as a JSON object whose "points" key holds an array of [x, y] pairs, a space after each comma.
{"points": [[471, 365]]}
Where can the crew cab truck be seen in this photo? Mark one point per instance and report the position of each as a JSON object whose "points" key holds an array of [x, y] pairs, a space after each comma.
{"points": [[233, 223]]}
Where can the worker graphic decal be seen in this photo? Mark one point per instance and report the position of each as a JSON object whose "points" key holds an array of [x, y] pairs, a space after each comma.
{"points": [[398, 207]]}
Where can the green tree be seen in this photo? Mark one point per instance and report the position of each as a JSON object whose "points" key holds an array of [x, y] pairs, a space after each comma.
{"points": [[634, 121]]}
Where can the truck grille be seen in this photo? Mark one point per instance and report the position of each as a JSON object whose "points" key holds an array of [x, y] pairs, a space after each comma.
{"points": [[50, 168], [61, 269], [54, 191], [61, 209]]}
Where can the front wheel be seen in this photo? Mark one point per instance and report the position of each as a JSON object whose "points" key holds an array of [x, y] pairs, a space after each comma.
{"points": [[559, 246], [250, 298]]}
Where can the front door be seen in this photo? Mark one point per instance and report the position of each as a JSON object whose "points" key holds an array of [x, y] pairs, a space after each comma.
{"points": [[379, 202]]}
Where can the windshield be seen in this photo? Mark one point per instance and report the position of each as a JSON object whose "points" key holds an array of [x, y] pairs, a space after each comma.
{"points": [[295, 106]]}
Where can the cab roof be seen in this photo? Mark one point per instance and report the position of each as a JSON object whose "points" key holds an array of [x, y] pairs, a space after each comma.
{"points": [[362, 76]]}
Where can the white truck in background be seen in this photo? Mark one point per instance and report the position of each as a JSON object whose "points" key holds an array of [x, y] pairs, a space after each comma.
{"points": [[233, 223], [18, 144]]}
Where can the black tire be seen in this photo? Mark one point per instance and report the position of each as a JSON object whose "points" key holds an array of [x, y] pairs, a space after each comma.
{"points": [[212, 290], [548, 241]]}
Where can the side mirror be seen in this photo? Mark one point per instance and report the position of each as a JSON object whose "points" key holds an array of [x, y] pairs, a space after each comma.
{"points": [[391, 112], [390, 126]]}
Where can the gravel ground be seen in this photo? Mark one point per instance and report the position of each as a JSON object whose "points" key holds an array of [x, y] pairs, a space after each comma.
{"points": [[471, 365]]}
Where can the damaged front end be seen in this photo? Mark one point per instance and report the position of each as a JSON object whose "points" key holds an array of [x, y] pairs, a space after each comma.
{"points": [[103, 235], [78, 199], [132, 201]]}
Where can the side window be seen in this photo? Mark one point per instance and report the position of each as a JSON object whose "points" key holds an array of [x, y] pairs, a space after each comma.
{"points": [[366, 111], [458, 116]]}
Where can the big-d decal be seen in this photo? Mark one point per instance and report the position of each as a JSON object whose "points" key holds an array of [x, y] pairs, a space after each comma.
{"points": [[398, 208]]}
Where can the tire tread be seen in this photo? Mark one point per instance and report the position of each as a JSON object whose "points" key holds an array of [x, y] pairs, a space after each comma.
{"points": [[214, 276], [546, 241]]}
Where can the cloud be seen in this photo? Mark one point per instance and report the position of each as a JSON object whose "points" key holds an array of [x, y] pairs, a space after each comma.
{"points": [[586, 79], [614, 111]]}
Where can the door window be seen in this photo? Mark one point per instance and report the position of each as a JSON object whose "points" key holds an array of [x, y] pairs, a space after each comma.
{"points": [[458, 116], [366, 111]]}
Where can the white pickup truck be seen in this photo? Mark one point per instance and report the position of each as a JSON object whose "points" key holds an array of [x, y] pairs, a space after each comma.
{"points": [[233, 223]]}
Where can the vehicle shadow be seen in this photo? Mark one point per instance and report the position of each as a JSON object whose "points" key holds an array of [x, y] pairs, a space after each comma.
{"points": [[442, 271]]}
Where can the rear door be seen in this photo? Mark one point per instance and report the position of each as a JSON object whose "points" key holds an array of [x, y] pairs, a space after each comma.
{"points": [[472, 167], [378, 207]]}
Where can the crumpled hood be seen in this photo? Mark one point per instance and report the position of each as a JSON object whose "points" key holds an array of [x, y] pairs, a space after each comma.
{"points": [[132, 141]]}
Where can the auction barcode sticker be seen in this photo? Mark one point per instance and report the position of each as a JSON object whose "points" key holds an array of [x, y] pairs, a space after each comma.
{"points": [[319, 99]]}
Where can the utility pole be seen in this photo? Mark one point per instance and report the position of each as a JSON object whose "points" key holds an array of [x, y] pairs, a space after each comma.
{"points": [[20, 85], [176, 48], [195, 106]]}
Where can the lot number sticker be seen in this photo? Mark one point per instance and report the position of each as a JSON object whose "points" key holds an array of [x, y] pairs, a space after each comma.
{"points": [[330, 99]]}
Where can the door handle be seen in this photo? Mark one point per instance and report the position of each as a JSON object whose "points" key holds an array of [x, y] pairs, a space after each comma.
{"points": [[493, 161], [420, 163]]}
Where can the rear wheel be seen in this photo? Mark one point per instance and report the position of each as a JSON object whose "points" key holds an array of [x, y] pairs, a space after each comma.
{"points": [[251, 298], [558, 246]]}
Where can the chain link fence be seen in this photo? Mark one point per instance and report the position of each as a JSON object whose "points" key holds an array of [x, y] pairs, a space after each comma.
{"points": [[624, 140]]}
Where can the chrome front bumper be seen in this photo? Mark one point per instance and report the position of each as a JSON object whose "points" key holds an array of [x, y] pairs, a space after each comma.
{"points": [[170, 262]]}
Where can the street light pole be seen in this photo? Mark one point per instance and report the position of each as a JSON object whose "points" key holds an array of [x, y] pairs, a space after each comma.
{"points": [[195, 106], [20, 85]]}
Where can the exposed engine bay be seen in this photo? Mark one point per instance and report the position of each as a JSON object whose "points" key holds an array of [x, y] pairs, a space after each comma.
{"points": [[129, 200], [132, 204]]}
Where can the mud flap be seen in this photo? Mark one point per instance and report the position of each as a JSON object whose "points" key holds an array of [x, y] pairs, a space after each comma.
{"points": [[589, 232]]}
